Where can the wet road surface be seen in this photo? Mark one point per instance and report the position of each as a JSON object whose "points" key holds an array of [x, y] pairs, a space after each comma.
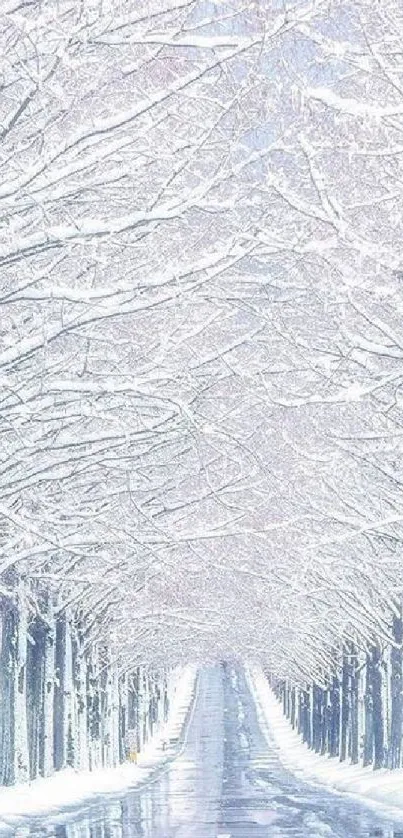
{"points": [[225, 783]]}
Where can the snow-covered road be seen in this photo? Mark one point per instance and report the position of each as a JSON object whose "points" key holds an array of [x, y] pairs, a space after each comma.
{"points": [[225, 783]]}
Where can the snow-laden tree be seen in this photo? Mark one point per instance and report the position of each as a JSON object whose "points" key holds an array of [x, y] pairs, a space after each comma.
{"points": [[200, 345]]}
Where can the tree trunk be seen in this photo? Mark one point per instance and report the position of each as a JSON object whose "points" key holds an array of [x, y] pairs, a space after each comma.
{"points": [[81, 759], [306, 717], [7, 681], [35, 696], [396, 685], [324, 745], [334, 732], [369, 714], [378, 724], [345, 704], [354, 683], [94, 710], [123, 708], [317, 709], [49, 696], [21, 754], [293, 708]]}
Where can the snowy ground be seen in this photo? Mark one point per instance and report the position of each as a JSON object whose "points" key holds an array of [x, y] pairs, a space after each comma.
{"points": [[378, 787], [67, 788]]}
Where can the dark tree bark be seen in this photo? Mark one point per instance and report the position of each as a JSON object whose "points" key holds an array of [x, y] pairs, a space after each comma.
{"points": [[35, 697], [354, 682], [306, 717], [378, 723], [324, 749], [334, 733], [7, 686], [369, 716], [317, 720], [396, 687], [345, 704], [60, 757]]}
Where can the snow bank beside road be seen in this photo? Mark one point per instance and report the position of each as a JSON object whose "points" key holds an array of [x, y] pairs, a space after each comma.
{"points": [[380, 787], [68, 787]]}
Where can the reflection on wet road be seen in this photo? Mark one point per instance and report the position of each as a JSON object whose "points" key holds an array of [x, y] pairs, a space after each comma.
{"points": [[226, 783]]}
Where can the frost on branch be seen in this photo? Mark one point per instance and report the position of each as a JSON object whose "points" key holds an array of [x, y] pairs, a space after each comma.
{"points": [[200, 363]]}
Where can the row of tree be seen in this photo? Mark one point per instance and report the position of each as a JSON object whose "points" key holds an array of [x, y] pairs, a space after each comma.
{"points": [[355, 712], [201, 253], [66, 703]]}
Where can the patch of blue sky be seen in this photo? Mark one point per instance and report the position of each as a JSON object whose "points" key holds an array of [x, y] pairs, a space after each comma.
{"points": [[301, 61], [219, 17], [259, 136], [343, 24]]}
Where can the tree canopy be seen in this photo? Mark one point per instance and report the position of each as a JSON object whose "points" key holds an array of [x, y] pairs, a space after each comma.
{"points": [[201, 251]]}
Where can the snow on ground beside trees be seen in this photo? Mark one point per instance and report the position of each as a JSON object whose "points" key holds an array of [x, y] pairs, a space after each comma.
{"points": [[68, 787], [381, 787]]}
